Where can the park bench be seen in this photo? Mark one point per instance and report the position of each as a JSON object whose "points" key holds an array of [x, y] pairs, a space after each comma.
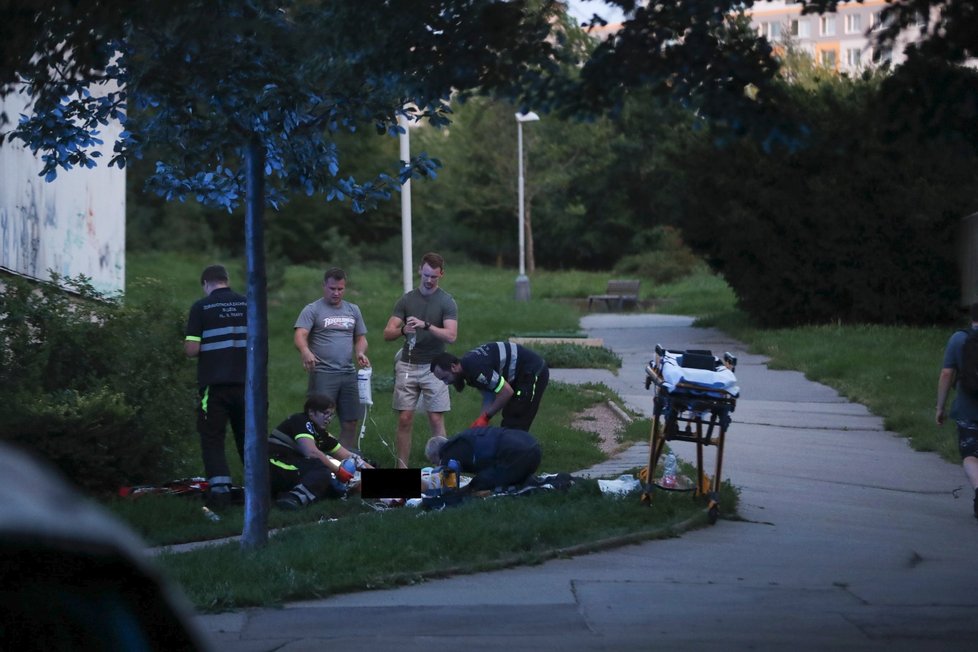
{"points": [[618, 292]]}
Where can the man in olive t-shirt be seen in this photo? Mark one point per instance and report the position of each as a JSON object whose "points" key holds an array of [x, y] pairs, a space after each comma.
{"points": [[427, 319]]}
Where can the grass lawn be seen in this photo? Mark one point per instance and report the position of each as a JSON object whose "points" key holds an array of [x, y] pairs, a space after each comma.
{"points": [[404, 546], [323, 553], [892, 370]]}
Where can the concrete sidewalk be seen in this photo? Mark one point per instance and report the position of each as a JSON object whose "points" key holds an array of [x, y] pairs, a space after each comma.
{"points": [[850, 540]]}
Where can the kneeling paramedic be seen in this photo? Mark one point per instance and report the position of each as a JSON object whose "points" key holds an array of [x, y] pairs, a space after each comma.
{"points": [[499, 457], [300, 472]]}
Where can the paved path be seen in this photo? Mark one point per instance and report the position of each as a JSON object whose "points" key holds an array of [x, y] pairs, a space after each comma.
{"points": [[850, 541]]}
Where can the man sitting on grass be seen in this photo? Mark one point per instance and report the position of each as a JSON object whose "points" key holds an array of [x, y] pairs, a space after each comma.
{"points": [[499, 457], [299, 471]]}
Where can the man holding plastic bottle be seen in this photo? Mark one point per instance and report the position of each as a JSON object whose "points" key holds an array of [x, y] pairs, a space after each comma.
{"points": [[427, 319], [331, 338]]}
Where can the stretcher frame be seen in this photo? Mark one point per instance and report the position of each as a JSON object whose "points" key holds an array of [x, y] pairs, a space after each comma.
{"points": [[689, 413]]}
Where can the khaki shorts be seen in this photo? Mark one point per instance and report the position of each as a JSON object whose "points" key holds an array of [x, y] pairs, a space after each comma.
{"points": [[411, 381]]}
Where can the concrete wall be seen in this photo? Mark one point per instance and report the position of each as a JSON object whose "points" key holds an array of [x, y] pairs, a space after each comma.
{"points": [[73, 225]]}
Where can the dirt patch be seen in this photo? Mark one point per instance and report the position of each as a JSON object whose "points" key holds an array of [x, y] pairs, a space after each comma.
{"points": [[605, 423]]}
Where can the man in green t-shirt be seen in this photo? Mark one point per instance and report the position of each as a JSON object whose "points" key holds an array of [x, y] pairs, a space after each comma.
{"points": [[427, 319]]}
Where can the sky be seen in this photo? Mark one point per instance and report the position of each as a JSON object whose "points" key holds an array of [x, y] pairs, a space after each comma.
{"points": [[583, 9]]}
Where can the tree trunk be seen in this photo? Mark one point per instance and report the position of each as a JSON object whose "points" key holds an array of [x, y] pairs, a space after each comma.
{"points": [[255, 534]]}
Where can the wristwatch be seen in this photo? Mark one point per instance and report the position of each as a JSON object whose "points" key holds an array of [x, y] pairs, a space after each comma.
{"points": [[427, 325]]}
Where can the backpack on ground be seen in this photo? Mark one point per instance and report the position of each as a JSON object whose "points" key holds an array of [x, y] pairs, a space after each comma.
{"points": [[968, 373]]}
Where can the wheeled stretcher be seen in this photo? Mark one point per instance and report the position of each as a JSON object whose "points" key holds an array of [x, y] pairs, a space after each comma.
{"points": [[695, 393]]}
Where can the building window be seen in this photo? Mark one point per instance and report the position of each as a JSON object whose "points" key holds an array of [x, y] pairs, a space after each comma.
{"points": [[854, 23], [828, 58], [800, 28], [854, 57], [876, 22], [771, 31], [826, 25]]}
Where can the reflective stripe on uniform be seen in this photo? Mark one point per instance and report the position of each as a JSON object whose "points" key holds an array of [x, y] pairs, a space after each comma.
{"points": [[227, 337], [214, 332], [283, 465], [508, 359], [499, 387], [226, 344]]}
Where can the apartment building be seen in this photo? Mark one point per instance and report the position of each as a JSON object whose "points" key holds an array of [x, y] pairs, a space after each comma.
{"points": [[840, 40]]}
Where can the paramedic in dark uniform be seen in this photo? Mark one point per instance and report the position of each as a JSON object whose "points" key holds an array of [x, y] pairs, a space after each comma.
{"points": [[306, 463], [511, 377], [216, 335], [499, 457]]}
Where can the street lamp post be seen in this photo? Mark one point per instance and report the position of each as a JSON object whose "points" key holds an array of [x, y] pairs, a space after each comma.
{"points": [[406, 248], [522, 281]]}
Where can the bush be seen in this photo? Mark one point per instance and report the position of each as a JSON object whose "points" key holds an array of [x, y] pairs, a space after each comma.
{"points": [[574, 356], [852, 226], [666, 258], [99, 388]]}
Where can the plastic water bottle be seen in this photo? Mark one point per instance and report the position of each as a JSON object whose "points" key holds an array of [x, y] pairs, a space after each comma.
{"points": [[363, 386], [210, 515], [412, 339], [347, 470], [669, 471], [430, 480], [449, 474]]}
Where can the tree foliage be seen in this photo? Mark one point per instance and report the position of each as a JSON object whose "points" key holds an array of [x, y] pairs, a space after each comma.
{"points": [[290, 72], [473, 207], [700, 55], [857, 227]]}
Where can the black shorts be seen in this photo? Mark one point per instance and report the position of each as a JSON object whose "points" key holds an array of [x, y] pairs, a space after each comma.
{"points": [[968, 439]]}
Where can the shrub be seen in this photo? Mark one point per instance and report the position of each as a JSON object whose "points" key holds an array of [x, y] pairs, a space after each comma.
{"points": [[853, 225], [666, 258], [574, 356], [97, 387]]}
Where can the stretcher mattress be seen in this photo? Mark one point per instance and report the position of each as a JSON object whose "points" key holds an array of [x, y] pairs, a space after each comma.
{"points": [[674, 375]]}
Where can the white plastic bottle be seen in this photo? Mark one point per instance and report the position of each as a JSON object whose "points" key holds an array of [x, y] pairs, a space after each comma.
{"points": [[363, 386], [669, 471]]}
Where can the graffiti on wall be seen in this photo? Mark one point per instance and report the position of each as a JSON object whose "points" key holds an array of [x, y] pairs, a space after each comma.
{"points": [[73, 225]]}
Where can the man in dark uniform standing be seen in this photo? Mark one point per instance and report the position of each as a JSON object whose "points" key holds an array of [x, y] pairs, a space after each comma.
{"points": [[511, 377], [217, 332]]}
